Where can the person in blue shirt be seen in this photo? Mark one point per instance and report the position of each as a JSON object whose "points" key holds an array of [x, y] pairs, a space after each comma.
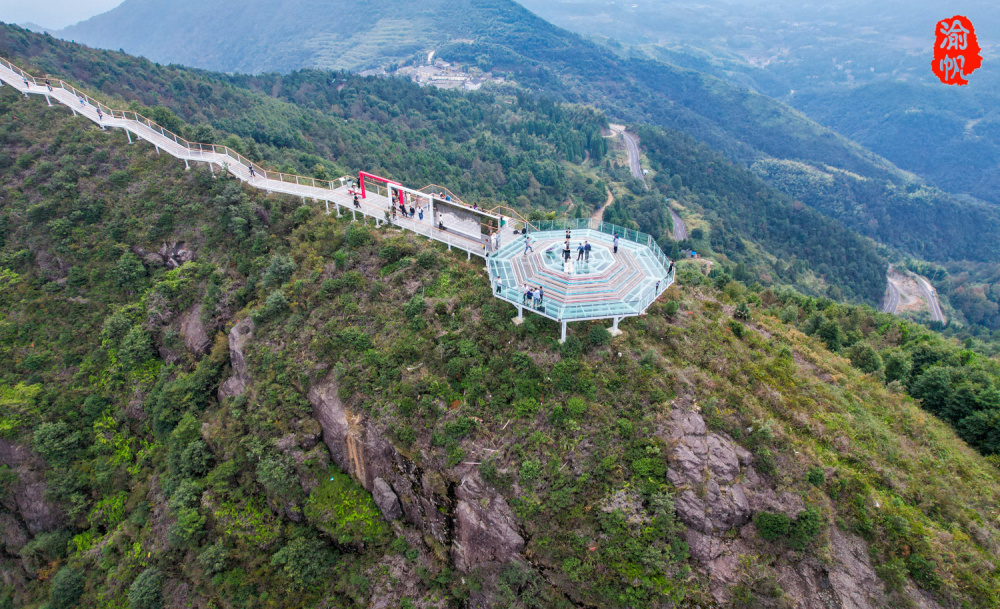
{"points": [[586, 251]]}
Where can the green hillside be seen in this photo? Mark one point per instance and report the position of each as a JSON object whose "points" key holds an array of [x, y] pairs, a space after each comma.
{"points": [[491, 34], [284, 409], [496, 147]]}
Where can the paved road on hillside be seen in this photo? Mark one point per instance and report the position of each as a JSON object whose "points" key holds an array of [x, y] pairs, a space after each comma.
{"points": [[891, 302], [680, 230], [632, 147], [932, 300]]}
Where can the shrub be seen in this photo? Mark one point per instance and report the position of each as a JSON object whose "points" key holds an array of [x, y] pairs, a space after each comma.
{"points": [[415, 306], [670, 309], [214, 558], [303, 561], [865, 358], [135, 349], [276, 303], [279, 269], [598, 336], [129, 271], [358, 236], [772, 526], [146, 592], [806, 527], [530, 471], [816, 476], [427, 260], [737, 328], [55, 443], [67, 588], [742, 312]]}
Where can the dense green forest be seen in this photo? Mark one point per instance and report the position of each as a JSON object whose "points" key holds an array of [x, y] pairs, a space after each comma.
{"points": [[952, 138], [160, 490], [914, 219], [739, 206]]}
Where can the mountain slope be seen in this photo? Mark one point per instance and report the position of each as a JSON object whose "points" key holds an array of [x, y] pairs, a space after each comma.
{"points": [[526, 152], [494, 33], [313, 411]]}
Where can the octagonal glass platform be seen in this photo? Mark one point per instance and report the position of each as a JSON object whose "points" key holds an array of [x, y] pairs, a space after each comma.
{"points": [[601, 285]]}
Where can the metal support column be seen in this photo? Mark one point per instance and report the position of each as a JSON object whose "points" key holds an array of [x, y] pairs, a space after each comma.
{"points": [[520, 316], [613, 330], [354, 216], [468, 255], [187, 166], [48, 100], [563, 339], [127, 133], [328, 208]]}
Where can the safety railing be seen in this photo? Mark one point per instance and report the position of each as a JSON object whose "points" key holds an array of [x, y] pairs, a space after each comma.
{"points": [[51, 84]]}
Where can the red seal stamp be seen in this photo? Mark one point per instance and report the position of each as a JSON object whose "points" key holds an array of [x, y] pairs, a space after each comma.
{"points": [[956, 50]]}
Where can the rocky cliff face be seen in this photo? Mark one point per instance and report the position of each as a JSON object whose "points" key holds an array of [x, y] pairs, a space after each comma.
{"points": [[454, 509], [718, 491], [239, 336]]}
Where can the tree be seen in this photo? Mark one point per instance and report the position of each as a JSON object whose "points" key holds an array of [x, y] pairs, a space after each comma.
{"points": [[897, 366], [129, 271], [831, 334], [865, 358], [279, 270], [933, 388], [146, 592], [303, 561], [67, 588], [55, 443]]}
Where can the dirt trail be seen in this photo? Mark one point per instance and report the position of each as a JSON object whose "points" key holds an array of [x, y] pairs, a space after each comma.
{"points": [[599, 214]]}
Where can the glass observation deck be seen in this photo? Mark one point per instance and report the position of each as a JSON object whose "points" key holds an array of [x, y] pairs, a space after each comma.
{"points": [[603, 284]]}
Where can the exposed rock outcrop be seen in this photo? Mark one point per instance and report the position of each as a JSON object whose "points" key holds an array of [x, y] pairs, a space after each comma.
{"points": [[465, 515], [718, 490], [705, 468], [239, 336], [193, 332], [26, 498], [386, 500], [485, 531]]}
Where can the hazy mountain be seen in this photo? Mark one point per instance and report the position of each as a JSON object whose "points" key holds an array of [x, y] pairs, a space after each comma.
{"points": [[862, 68], [494, 34]]}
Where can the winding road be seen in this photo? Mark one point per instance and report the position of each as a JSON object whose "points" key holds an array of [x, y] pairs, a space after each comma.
{"points": [[680, 230], [891, 302], [932, 300]]}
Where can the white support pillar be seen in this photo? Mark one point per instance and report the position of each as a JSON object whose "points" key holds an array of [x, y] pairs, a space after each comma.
{"points": [[354, 216], [187, 166], [48, 100], [520, 316], [468, 255], [127, 133], [613, 330], [157, 149], [328, 208], [563, 339], [73, 110], [449, 246]]}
